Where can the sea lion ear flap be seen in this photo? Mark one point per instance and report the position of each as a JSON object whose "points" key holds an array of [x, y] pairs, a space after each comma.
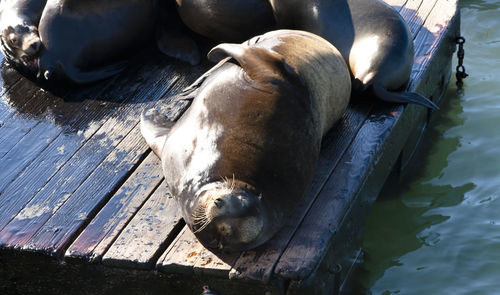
{"points": [[221, 51], [256, 61]]}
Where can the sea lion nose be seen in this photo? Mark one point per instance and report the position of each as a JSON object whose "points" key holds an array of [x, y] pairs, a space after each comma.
{"points": [[35, 45], [219, 202]]}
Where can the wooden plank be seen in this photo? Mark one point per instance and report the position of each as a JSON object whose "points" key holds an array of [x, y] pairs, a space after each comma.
{"points": [[420, 16], [410, 14], [148, 234], [212, 265], [68, 217], [13, 124], [46, 203], [32, 128], [302, 257], [181, 255], [82, 121], [74, 172], [98, 236]]}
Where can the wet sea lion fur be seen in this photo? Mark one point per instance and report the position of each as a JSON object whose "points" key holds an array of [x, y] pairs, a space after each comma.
{"points": [[240, 158]]}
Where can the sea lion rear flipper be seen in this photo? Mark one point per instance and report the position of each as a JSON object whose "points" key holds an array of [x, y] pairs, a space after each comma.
{"points": [[403, 97], [155, 128]]}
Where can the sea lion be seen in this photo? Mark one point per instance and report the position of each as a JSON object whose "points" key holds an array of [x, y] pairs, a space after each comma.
{"points": [[373, 38], [19, 38], [86, 41], [227, 20], [240, 158]]}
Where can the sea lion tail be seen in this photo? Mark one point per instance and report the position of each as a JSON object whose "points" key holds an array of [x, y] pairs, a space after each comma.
{"points": [[402, 97], [155, 128]]}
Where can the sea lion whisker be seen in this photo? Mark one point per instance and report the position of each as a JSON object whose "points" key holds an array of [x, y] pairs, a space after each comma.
{"points": [[202, 227], [199, 215], [200, 222]]}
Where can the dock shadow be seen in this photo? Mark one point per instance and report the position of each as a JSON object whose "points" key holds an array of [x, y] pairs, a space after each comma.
{"points": [[147, 79]]}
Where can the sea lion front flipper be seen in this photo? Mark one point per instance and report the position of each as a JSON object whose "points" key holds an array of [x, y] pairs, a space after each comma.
{"points": [[402, 97], [155, 128]]}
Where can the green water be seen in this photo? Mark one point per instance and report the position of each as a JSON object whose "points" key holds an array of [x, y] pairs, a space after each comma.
{"points": [[439, 232]]}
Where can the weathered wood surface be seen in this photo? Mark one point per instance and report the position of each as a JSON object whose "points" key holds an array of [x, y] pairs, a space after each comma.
{"points": [[79, 184]]}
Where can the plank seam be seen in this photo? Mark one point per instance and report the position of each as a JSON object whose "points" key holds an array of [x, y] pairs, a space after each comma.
{"points": [[426, 17], [95, 211], [59, 253], [131, 217], [121, 108], [57, 170]]}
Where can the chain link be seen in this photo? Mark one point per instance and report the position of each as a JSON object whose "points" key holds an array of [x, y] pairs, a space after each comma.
{"points": [[461, 74]]}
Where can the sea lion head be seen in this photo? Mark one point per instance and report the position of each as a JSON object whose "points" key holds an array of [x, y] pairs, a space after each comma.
{"points": [[21, 44], [230, 216]]}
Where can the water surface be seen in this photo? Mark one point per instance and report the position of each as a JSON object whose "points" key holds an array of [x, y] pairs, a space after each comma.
{"points": [[439, 231]]}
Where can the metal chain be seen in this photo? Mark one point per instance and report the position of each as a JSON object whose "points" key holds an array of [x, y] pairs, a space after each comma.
{"points": [[461, 74]]}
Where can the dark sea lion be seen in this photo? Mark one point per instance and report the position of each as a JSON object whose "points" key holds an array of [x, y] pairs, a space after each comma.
{"points": [[89, 40], [227, 20], [19, 38], [373, 38], [240, 158]]}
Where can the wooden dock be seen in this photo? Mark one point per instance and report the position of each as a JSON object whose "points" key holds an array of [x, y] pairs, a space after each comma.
{"points": [[83, 207]]}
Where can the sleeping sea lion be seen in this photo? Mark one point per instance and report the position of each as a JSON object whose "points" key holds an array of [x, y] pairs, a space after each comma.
{"points": [[240, 158], [19, 38], [373, 38], [86, 41]]}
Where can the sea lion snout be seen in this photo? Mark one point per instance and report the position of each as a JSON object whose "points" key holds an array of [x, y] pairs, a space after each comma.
{"points": [[23, 40], [21, 43], [31, 43], [234, 213]]}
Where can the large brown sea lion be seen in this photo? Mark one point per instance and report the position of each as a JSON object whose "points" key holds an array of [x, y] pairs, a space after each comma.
{"points": [[240, 158], [373, 38], [19, 38]]}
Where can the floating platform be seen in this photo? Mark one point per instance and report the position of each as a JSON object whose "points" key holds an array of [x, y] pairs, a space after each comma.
{"points": [[84, 209]]}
